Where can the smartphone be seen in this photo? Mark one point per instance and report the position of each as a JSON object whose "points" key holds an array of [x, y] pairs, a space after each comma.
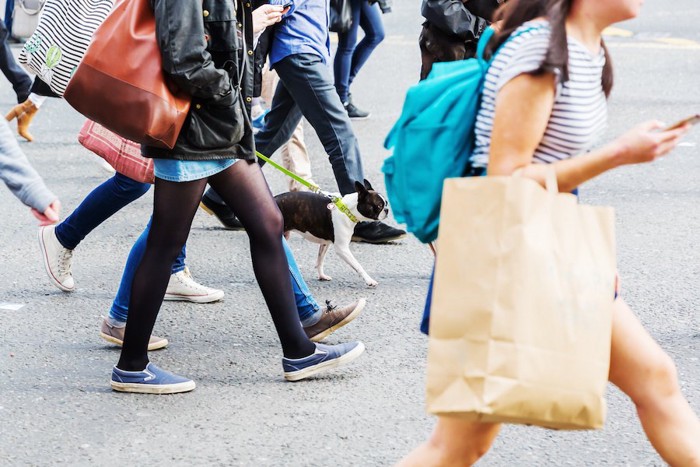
{"points": [[693, 119]]}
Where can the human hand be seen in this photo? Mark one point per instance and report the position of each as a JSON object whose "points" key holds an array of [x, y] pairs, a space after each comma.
{"points": [[266, 15], [50, 216], [645, 143]]}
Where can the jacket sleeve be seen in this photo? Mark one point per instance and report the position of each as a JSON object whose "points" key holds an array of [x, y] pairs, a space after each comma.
{"points": [[452, 17], [20, 177], [181, 38], [384, 5]]}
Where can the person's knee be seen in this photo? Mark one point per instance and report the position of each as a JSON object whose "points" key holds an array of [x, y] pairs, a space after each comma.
{"points": [[377, 37], [275, 224], [345, 50], [455, 453], [660, 382], [458, 443], [268, 228]]}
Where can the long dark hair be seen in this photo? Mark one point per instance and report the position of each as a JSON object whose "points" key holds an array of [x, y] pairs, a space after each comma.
{"points": [[516, 12]]}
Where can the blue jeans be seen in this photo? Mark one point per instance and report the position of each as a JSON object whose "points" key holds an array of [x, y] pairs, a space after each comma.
{"points": [[120, 305], [351, 56], [98, 206], [20, 80], [101, 204], [9, 10], [306, 89], [308, 309]]}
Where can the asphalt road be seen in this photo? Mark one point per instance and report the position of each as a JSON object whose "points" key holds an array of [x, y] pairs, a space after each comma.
{"points": [[55, 403]]}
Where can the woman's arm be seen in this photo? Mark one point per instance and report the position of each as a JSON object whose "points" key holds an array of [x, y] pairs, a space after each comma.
{"points": [[23, 181], [523, 108], [181, 37]]}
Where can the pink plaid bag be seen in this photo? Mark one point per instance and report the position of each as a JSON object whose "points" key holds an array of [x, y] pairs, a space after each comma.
{"points": [[122, 154]]}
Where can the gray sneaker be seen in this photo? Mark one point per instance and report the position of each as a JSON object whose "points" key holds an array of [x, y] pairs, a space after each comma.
{"points": [[115, 335], [334, 318]]}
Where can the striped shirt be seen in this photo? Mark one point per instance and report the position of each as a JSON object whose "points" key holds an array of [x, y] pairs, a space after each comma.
{"points": [[579, 114]]}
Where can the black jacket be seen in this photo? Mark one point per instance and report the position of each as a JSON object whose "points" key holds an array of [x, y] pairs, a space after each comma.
{"points": [[463, 20], [452, 29], [261, 51], [207, 50]]}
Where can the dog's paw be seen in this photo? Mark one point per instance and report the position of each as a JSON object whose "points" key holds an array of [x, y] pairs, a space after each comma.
{"points": [[324, 277], [372, 283]]}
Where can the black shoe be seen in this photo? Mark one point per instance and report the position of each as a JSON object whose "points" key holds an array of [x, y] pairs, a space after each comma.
{"points": [[376, 232], [222, 212], [353, 112]]}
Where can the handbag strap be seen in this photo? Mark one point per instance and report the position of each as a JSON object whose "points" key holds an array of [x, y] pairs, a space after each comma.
{"points": [[245, 51], [29, 11]]}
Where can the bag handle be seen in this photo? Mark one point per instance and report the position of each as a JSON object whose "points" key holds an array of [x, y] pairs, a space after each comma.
{"points": [[28, 11]]}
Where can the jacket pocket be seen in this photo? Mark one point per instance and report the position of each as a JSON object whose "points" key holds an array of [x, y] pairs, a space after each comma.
{"points": [[221, 26], [217, 125]]}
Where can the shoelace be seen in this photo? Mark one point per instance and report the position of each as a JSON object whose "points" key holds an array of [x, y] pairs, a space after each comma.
{"points": [[329, 306], [188, 282], [63, 260]]}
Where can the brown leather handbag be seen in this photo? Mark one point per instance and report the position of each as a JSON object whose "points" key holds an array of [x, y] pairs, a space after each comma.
{"points": [[120, 83]]}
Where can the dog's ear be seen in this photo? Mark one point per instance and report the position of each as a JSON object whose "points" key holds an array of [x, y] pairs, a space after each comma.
{"points": [[360, 188], [368, 185]]}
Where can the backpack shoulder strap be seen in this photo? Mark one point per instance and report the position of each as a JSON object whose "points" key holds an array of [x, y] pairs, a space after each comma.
{"points": [[488, 34], [483, 41]]}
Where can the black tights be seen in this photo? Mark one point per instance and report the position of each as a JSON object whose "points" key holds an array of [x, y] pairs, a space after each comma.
{"points": [[244, 189]]}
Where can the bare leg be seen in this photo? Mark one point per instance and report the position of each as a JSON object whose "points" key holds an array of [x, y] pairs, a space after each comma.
{"points": [[640, 368], [454, 442]]}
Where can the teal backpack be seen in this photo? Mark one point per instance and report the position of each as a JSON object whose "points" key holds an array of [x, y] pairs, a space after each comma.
{"points": [[433, 139]]}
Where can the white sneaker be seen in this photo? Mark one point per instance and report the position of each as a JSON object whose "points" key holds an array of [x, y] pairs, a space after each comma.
{"points": [[182, 287], [57, 259]]}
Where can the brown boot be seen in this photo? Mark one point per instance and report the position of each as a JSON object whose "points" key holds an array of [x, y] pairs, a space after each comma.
{"points": [[24, 113]]}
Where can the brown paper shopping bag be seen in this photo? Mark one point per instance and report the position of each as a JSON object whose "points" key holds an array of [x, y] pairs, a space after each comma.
{"points": [[521, 313]]}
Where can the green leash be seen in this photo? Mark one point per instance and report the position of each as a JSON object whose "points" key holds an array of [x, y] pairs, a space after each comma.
{"points": [[337, 201]]}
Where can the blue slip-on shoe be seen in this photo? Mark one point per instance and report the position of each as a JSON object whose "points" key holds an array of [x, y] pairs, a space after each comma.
{"points": [[325, 358], [152, 380]]}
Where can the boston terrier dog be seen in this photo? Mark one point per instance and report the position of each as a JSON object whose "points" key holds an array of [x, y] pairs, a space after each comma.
{"points": [[317, 219]]}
